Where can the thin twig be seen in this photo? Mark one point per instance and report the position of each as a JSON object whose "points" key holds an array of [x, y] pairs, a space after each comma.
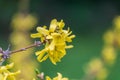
{"points": [[6, 54], [37, 43]]}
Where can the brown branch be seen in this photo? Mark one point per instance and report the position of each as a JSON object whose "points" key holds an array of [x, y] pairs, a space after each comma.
{"points": [[37, 43], [6, 53]]}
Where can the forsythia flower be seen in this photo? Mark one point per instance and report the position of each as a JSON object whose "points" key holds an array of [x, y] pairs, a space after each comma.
{"points": [[109, 37], [96, 69], [5, 74], [59, 77], [22, 22], [117, 23], [55, 41], [109, 54], [95, 65]]}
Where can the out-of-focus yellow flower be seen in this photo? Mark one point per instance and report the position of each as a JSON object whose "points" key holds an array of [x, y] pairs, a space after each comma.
{"points": [[117, 23], [109, 37], [94, 66], [5, 74], [34, 79], [109, 54], [59, 77], [55, 41], [117, 39], [102, 74], [23, 22], [17, 39], [96, 69]]}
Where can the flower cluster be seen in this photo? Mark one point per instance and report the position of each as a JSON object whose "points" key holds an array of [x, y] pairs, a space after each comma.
{"points": [[5, 74], [55, 39], [59, 77]]}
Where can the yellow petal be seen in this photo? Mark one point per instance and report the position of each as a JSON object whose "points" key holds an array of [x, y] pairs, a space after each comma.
{"points": [[9, 65], [59, 75], [52, 59], [61, 24], [70, 46], [42, 30], [49, 37], [69, 39], [53, 25], [15, 73], [5, 77], [41, 55], [36, 35], [44, 27], [41, 52], [1, 77], [52, 46], [44, 58], [11, 76], [48, 78]]}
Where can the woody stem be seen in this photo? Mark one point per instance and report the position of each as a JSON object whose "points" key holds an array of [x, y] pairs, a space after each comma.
{"points": [[37, 43]]}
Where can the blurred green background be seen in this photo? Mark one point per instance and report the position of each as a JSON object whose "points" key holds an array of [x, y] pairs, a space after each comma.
{"points": [[88, 20]]}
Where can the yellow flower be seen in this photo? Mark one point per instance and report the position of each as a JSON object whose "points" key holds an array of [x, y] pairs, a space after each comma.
{"points": [[117, 23], [95, 65], [109, 37], [102, 74], [55, 39], [59, 77], [109, 54], [5, 74], [22, 22]]}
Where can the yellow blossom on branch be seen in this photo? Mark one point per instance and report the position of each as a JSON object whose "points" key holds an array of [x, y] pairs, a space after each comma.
{"points": [[59, 77], [5, 74], [55, 39]]}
